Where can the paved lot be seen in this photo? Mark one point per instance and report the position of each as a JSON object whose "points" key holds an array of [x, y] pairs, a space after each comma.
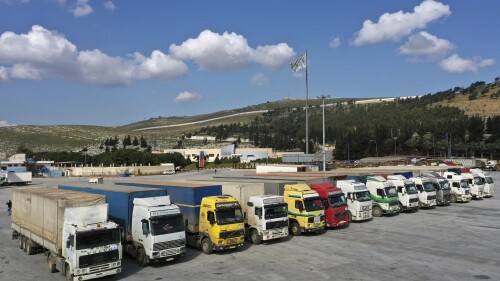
{"points": [[459, 242]]}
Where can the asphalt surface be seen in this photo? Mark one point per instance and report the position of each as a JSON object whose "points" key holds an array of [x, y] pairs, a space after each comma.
{"points": [[458, 242]]}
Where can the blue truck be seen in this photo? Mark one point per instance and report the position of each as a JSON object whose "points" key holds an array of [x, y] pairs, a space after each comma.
{"points": [[153, 226]]}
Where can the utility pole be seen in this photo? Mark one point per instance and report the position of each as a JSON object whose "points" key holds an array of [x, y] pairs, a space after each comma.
{"points": [[324, 153], [307, 111]]}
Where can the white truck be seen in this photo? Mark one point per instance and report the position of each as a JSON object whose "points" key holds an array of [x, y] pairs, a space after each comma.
{"points": [[442, 186], [491, 165], [384, 195], [266, 215], [476, 185], [460, 191], [407, 192], [72, 228], [426, 191], [487, 180], [358, 199], [168, 168], [15, 178], [153, 226]]}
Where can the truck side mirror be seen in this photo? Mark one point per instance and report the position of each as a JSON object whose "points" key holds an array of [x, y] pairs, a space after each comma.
{"points": [[145, 227], [211, 217], [299, 206]]}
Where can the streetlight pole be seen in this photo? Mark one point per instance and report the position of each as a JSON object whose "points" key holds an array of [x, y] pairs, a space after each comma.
{"points": [[324, 153]]}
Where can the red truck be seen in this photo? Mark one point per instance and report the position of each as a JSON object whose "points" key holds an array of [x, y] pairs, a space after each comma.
{"points": [[337, 213]]}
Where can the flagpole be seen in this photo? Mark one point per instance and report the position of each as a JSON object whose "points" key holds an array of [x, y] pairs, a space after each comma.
{"points": [[307, 111]]}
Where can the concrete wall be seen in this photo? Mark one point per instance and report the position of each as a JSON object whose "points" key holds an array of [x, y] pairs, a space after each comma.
{"points": [[111, 171]]}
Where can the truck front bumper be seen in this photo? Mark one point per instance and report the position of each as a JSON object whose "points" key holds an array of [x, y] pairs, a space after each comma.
{"points": [[363, 215], [168, 254], [312, 227], [229, 243], [428, 203], [274, 233], [391, 210], [93, 275], [337, 222], [464, 197]]}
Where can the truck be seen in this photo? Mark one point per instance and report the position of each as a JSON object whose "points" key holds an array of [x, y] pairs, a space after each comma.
{"points": [[442, 186], [487, 180], [305, 209], [384, 195], [336, 211], [359, 202], [168, 168], [460, 191], [475, 184], [491, 165], [426, 192], [153, 226], [266, 215], [71, 228], [407, 192], [212, 221], [15, 178]]}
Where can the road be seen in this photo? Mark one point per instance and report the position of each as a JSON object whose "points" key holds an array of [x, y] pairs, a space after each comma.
{"points": [[458, 242]]}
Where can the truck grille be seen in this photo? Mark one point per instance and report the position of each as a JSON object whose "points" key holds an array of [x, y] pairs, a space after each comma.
{"points": [[169, 244], [228, 234], [395, 203], [431, 197], [276, 224], [467, 191], [341, 214], [99, 258], [232, 241], [413, 200], [446, 197]]}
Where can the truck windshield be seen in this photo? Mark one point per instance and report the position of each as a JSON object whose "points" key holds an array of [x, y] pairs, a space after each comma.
{"points": [[362, 196], [96, 238], [391, 191], [478, 180], [166, 224], [464, 184], [410, 188], [428, 186], [276, 211], [228, 215], [444, 185], [337, 200], [489, 180], [313, 204]]}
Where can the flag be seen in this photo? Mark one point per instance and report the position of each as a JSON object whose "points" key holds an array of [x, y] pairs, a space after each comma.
{"points": [[299, 63]]}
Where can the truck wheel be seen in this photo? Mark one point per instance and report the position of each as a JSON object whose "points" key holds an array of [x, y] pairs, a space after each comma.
{"points": [[295, 229], [453, 198], [25, 244], [51, 264], [206, 246], [377, 211], [21, 246], [30, 248], [141, 258], [255, 237], [350, 216], [67, 272]]}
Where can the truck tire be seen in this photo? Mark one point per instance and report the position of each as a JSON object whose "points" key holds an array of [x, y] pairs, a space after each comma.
{"points": [[377, 211], [67, 272], [141, 258], [350, 216], [20, 242], [295, 229], [206, 246], [255, 237], [25, 244], [30, 247], [51, 264], [453, 198]]}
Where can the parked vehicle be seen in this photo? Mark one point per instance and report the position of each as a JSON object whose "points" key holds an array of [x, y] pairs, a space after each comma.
{"points": [[358, 199], [169, 168], [476, 185], [73, 230], [153, 226], [336, 211], [442, 186], [491, 165], [266, 215], [384, 195], [407, 192], [487, 180], [460, 191], [426, 191], [15, 178], [213, 221]]}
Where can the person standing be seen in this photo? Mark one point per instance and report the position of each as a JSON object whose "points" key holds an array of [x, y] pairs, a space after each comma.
{"points": [[9, 207]]}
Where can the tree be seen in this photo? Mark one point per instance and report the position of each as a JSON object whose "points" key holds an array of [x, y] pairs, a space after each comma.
{"points": [[143, 142], [135, 142]]}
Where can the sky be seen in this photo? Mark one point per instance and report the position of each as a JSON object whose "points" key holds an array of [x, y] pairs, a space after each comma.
{"points": [[111, 63]]}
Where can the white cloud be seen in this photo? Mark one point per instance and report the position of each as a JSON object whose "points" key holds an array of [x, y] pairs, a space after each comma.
{"points": [[5, 123], [109, 5], [187, 97], [4, 74], [259, 79], [42, 53], [396, 25], [335, 42], [426, 44], [456, 64], [82, 8], [213, 51]]}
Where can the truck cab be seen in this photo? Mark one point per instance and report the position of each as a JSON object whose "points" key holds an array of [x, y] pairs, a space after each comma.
{"points": [[336, 210], [407, 192], [266, 218], [487, 180], [476, 185], [460, 191], [221, 224], [384, 195], [426, 192], [442, 186], [305, 209], [158, 225], [359, 202]]}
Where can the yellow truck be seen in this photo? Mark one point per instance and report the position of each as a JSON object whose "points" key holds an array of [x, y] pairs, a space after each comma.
{"points": [[306, 211]]}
